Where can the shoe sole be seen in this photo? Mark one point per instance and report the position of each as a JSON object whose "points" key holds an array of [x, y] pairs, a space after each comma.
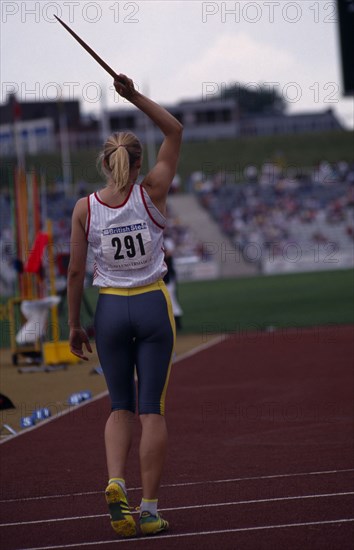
{"points": [[124, 527]]}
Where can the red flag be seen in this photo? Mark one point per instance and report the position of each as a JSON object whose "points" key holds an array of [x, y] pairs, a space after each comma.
{"points": [[34, 262]]}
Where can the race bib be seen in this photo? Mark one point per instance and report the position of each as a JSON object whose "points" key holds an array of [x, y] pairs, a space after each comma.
{"points": [[127, 246]]}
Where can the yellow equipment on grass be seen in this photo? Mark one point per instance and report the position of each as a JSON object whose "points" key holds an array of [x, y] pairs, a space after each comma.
{"points": [[57, 351]]}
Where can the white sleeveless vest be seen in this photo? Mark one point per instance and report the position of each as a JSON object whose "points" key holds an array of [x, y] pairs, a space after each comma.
{"points": [[126, 240]]}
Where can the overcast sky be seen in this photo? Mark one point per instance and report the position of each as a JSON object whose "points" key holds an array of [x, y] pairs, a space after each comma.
{"points": [[175, 50]]}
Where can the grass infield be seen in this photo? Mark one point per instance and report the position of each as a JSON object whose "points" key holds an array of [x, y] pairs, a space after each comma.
{"points": [[300, 300], [255, 303]]}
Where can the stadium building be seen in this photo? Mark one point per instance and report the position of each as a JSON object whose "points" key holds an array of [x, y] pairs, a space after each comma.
{"points": [[39, 125]]}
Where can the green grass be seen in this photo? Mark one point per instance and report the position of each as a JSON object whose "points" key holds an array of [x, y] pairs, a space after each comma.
{"points": [[300, 300], [233, 155], [254, 303]]}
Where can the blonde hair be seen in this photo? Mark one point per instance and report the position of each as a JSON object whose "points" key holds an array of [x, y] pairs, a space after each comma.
{"points": [[120, 152]]}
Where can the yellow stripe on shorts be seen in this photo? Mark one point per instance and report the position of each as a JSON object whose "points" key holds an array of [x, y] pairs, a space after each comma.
{"points": [[133, 291], [173, 326]]}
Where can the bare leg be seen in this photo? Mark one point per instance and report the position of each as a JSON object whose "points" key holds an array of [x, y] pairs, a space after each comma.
{"points": [[118, 439], [153, 446]]}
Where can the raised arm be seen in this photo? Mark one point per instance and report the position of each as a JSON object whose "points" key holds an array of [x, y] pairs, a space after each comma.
{"points": [[158, 180]]}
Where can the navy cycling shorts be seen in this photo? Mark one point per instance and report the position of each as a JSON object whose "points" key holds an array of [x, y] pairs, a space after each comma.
{"points": [[135, 331]]}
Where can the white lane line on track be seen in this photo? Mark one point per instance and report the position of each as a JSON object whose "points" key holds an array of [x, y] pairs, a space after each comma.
{"points": [[197, 506], [181, 357], [195, 534], [187, 484]]}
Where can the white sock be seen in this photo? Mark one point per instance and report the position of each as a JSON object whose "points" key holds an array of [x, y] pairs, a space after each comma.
{"points": [[148, 505]]}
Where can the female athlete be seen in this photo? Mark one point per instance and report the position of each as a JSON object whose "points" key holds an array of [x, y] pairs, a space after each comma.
{"points": [[123, 223]]}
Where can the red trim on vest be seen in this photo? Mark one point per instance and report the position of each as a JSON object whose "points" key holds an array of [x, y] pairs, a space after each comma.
{"points": [[119, 205], [147, 209], [88, 217]]}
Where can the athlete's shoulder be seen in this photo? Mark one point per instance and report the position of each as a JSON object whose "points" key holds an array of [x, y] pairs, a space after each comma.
{"points": [[81, 210], [81, 205]]}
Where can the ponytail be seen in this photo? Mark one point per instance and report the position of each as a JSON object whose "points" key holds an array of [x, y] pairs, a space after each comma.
{"points": [[118, 163], [120, 152]]}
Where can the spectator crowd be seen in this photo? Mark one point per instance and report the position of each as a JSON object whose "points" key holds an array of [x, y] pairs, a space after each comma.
{"points": [[271, 208]]}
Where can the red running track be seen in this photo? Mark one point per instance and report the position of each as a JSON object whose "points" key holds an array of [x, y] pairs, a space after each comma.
{"points": [[260, 455]]}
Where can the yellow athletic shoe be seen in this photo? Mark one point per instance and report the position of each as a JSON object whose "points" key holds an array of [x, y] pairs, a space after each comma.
{"points": [[151, 525], [121, 517]]}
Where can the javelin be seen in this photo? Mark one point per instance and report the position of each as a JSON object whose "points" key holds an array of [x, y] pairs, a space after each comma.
{"points": [[90, 51]]}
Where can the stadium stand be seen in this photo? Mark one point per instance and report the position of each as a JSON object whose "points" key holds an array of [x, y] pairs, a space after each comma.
{"points": [[277, 222], [287, 216]]}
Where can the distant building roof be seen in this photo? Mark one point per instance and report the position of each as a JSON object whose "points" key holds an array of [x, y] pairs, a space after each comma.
{"points": [[32, 110]]}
